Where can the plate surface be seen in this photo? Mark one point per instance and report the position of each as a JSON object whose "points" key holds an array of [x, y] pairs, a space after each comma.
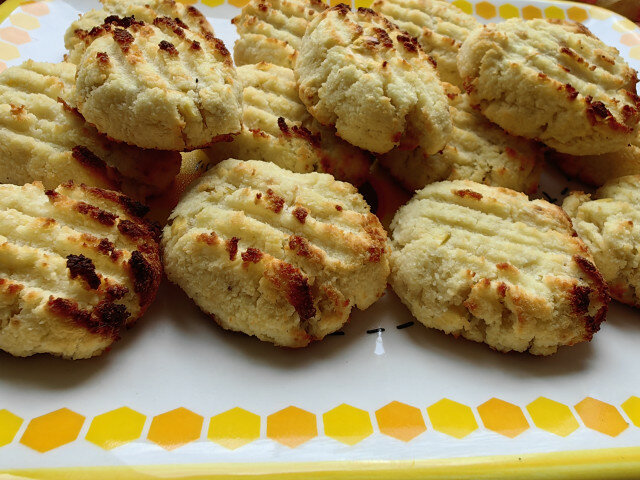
{"points": [[387, 394]]}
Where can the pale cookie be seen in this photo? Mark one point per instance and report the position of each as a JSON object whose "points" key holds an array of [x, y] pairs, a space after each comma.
{"points": [[280, 255], [488, 264], [478, 150], [271, 30], [609, 223], [439, 26], [78, 36], [371, 80], [158, 86], [77, 264], [552, 81], [42, 138], [596, 170], [277, 128]]}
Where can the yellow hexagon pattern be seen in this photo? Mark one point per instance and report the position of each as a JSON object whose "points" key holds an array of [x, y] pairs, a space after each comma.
{"points": [[25, 21], [552, 416], [52, 430], [176, 428], [116, 428], [292, 426], [8, 51], [463, 5], [503, 417], [635, 53], [400, 421], [452, 418], [554, 12], [9, 426], [601, 416], [347, 424], [632, 408], [508, 11], [234, 428]]}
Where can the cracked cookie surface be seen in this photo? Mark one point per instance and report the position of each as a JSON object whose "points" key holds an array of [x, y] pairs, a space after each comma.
{"points": [[158, 85], [553, 81], [361, 73], [284, 256], [488, 264]]}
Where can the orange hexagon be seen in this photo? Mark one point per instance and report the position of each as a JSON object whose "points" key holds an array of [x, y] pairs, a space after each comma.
{"points": [[176, 428], [503, 417], [217, 3], [347, 424], [486, 10], [530, 12], [38, 8], [401, 421], [577, 14], [52, 430], [14, 35], [292, 426], [363, 3], [630, 39], [601, 417], [9, 426]]}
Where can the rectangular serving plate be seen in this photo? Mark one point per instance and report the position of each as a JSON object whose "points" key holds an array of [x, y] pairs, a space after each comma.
{"points": [[180, 398]]}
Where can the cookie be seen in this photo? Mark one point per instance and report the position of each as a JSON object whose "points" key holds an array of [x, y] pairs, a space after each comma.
{"points": [[488, 264], [77, 264], [277, 128], [478, 150], [371, 80], [609, 223], [284, 256], [553, 81], [439, 26], [158, 85], [42, 138], [271, 30], [596, 170], [78, 37]]}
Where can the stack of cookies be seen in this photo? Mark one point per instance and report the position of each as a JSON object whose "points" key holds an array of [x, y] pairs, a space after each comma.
{"points": [[274, 240]]}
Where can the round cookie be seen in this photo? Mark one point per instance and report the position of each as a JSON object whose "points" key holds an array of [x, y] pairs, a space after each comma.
{"points": [[42, 138], [478, 150], [371, 80], [284, 256], [488, 264], [609, 223], [271, 30], [553, 81], [439, 26], [596, 170], [277, 128], [77, 265], [158, 86], [78, 36]]}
